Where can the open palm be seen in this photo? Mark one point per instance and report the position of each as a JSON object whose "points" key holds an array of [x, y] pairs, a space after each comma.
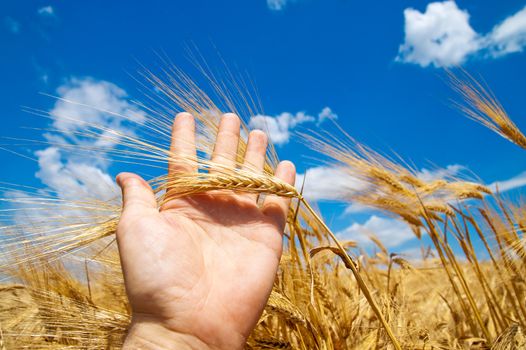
{"points": [[203, 265]]}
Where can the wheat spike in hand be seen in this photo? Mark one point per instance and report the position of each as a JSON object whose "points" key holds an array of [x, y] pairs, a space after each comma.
{"points": [[198, 272]]}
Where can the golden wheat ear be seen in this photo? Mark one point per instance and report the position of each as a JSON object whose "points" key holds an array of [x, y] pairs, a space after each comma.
{"points": [[52, 226], [481, 105], [389, 185]]}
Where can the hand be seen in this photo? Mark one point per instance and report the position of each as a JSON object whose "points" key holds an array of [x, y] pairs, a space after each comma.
{"points": [[199, 271]]}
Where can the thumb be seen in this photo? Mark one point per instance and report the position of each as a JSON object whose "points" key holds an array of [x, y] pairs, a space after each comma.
{"points": [[136, 193]]}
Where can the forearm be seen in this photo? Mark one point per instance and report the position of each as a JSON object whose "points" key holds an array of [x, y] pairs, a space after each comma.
{"points": [[146, 335]]}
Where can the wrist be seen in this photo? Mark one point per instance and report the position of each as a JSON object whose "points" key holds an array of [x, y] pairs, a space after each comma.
{"points": [[150, 335]]}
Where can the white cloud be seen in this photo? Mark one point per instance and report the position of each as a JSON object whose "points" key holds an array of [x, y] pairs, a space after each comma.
{"points": [[440, 173], [85, 102], [328, 183], [46, 11], [391, 232], [276, 5], [279, 127], [509, 184], [334, 183], [72, 179], [68, 174], [12, 25], [44, 77], [326, 114], [356, 208], [508, 36], [442, 36]]}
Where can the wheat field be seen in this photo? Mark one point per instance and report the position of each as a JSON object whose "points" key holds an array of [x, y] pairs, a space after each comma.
{"points": [[62, 285]]}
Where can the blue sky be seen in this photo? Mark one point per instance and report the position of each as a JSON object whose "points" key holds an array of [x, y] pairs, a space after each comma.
{"points": [[377, 67]]}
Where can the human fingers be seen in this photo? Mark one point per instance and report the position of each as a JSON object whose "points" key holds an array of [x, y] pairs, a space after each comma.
{"points": [[227, 140], [255, 154], [182, 147], [276, 207]]}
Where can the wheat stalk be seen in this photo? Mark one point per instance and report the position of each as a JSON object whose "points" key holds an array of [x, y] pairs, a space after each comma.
{"points": [[482, 106]]}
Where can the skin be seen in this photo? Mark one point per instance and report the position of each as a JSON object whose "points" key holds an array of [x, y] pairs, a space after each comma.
{"points": [[199, 270]]}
